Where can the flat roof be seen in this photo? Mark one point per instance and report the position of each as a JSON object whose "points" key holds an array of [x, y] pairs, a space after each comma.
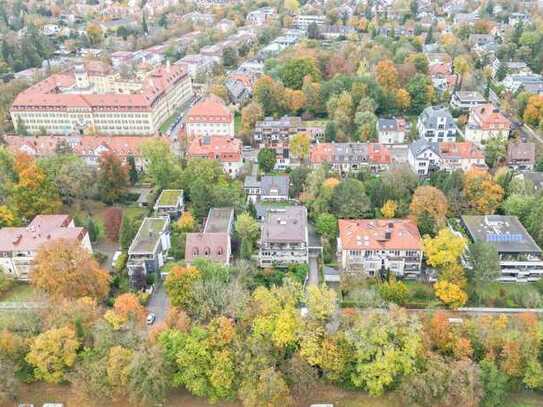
{"points": [[148, 235], [169, 197], [505, 233], [219, 220]]}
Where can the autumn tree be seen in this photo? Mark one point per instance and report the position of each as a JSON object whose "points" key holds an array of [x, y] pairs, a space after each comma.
{"points": [[482, 193], [386, 346], [186, 222], [443, 250], [430, 200], [64, 269], [112, 178], [148, 377], [270, 95], [270, 390], [118, 370], [179, 284], [299, 146], [33, 193], [387, 74], [112, 222], [293, 72], [94, 34], [389, 209], [250, 114], [52, 353], [461, 67], [128, 307], [450, 294]]}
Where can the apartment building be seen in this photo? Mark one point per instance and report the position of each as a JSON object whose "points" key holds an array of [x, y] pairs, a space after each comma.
{"points": [[284, 237], [210, 117], [520, 257], [346, 158], [268, 188], [303, 21], [436, 124], [521, 156], [90, 99], [226, 150], [148, 251], [464, 100], [19, 245], [375, 246], [486, 122]]}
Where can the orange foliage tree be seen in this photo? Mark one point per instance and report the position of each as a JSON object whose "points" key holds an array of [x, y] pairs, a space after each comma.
{"points": [[428, 199], [128, 306], [64, 269], [482, 193], [387, 74]]}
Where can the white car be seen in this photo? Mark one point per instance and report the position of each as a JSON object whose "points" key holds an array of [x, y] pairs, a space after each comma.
{"points": [[151, 318]]}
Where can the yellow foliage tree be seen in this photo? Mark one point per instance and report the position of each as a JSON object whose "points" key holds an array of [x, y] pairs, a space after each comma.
{"points": [[443, 250], [299, 145], [403, 99], [52, 353], [186, 222], [450, 294], [387, 74], [118, 369], [389, 209], [7, 217], [330, 183]]}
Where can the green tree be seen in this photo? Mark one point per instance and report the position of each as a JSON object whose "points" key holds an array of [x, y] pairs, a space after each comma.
{"points": [[294, 71], [112, 178], [495, 384], [420, 89], [148, 377], [162, 166], [350, 200], [485, 265], [266, 159], [132, 171], [248, 231]]}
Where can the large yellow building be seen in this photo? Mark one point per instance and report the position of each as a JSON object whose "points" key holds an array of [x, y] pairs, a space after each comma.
{"points": [[91, 99]]}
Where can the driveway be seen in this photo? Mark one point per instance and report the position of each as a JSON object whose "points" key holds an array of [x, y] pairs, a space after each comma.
{"points": [[313, 278], [159, 304]]}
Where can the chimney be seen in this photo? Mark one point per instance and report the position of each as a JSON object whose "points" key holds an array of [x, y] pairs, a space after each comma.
{"points": [[168, 68]]}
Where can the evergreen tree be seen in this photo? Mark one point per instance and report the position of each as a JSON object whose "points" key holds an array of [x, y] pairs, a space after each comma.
{"points": [[132, 171]]}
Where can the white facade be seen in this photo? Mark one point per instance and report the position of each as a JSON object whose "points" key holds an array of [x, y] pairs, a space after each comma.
{"points": [[203, 128]]}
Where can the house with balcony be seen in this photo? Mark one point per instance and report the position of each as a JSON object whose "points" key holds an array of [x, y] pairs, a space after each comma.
{"points": [[284, 237], [486, 122], [226, 150], [464, 100], [268, 188], [214, 243], [170, 203], [423, 157], [521, 156], [436, 124], [460, 156], [148, 251], [19, 245], [373, 247], [521, 258]]}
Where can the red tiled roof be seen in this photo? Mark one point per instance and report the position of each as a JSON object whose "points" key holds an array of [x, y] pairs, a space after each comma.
{"points": [[211, 246], [371, 234], [439, 69], [489, 117], [216, 148], [210, 110], [461, 150], [378, 154], [42, 229], [47, 94]]}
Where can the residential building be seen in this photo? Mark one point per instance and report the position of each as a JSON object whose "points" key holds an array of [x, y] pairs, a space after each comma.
{"points": [[197, 64], [423, 157], [210, 117], [284, 237], [436, 124], [261, 16], [460, 156], [148, 251], [515, 82], [170, 203], [485, 122], [89, 148], [226, 150], [392, 131], [19, 245], [303, 21], [346, 158], [521, 156], [533, 179], [269, 188], [275, 134], [91, 99], [520, 257], [463, 100], [214, 242], [375, 246]]}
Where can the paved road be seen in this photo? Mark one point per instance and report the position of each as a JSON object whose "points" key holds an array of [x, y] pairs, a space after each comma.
{"points": [[159, 304], [313, 278]]}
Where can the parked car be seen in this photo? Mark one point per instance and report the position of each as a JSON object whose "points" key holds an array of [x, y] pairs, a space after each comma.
{"points": [[151, 318]]}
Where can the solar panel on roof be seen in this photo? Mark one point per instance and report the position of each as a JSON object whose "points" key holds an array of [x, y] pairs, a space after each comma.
{"points": [[508, 237]]}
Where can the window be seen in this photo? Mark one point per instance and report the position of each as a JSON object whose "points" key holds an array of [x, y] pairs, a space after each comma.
{"points": [[207, 251], [220, 251], [195, 251]]}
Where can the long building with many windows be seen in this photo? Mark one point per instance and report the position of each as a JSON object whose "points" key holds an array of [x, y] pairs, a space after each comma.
{"points": [[91, 99]]}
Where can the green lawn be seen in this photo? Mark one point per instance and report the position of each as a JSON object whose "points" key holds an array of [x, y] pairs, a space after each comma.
{"points": [[169, 121], [134, 211], [237, 123], [20, 292]]}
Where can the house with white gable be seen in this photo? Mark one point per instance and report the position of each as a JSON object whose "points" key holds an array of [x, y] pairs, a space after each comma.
{"points": [[423, 157]]}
